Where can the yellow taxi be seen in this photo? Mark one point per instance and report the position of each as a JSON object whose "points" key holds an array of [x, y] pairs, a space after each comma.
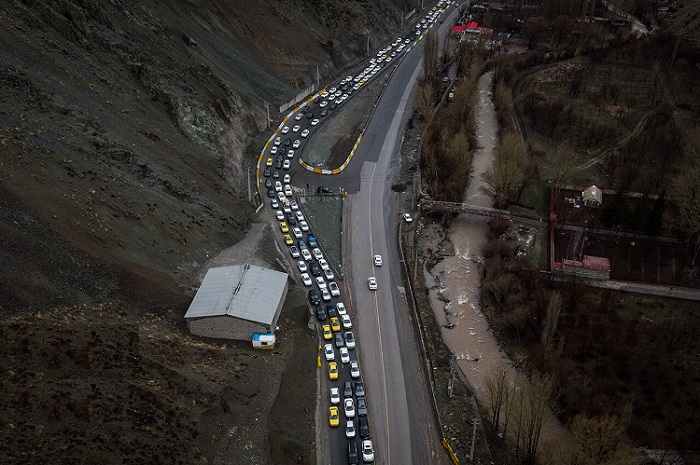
{"points": [[327, 333], [269, 162], [335, 324], [284, 227], [333, 370], [333, 416], [288, 239]]}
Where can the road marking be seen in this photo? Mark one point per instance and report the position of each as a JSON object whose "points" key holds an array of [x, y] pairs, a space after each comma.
{"points": [[379, 328]]}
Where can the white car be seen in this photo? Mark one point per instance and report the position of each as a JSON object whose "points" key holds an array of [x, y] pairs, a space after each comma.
{"points": [[340, 307], [288, 190], [305, 133], [407, 218], [302, 266], [279, 215], [350, 431], [325, 295], [294, 252], [306, 279], [328, 273], [286, 164], [323, 264], [281, 197], [315, 121], [324, 103], [299, 116], [296, 128], [296, 144], [304, 226], [278, 140], [278, 186], [294, 205], [372, 283], [297, 233], [377, 260], [318, 255], [300, 215], [345, 319], [321, 283], [354, 370], [287, 178], [306, 254], [344, 355], [274, 203], [285, 130], [290, 154], [273, 150], [330, 353], [349, 340], [367, 451], [285, 207], [324, 94], [349, 408], [335, 396], [334, 289]]}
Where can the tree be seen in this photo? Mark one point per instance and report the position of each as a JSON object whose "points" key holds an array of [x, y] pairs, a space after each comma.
{"points": [[430, 55], [425, 99], [599, 441], [497, 394], [537, 401], [685, 195], [562, 166], [508, 174], [551, 321], [535, 30]]}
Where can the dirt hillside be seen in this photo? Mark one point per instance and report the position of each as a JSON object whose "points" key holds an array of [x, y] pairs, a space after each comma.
{"points": [[126, 132]]}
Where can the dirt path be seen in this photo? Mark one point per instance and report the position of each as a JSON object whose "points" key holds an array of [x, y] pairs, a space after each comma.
{"points": [[457, 278]]}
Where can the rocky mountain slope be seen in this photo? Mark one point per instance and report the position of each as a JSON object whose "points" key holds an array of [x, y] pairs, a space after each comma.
{"points": [[127, 129]]}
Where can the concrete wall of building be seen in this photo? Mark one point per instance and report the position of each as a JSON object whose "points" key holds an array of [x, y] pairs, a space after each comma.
{"points": [[225, 327]]}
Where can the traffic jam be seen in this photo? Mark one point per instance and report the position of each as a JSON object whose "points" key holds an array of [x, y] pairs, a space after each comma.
{"points": [[346, 400]]}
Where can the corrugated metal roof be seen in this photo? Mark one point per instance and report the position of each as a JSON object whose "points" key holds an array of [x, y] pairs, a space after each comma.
{"points": [[248, 292]]}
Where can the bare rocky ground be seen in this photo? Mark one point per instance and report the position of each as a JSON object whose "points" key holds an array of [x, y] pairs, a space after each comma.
{"points": [[126, 129]]}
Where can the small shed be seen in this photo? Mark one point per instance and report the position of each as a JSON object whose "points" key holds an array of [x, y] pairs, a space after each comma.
{"points": [[592, 197], [235, 302]]}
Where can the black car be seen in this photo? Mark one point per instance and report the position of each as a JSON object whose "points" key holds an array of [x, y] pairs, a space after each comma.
{"points": [[315, 269], [278, 164], [268, 183], [361, 406], [310, 115], [347, 389], [321, 313], [276, 174], [287, 142], [267, 172], [359, 388], [339, 342], [330, 310], [353, 454], [301, 244], [333, 106], [364, 428], [271, 193], [314, 298], [324, 112], [324, 190], [291, 219], [305, 109]]}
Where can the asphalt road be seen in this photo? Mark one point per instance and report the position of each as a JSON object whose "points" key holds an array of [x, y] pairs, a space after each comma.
{"points": [[402, 422]]}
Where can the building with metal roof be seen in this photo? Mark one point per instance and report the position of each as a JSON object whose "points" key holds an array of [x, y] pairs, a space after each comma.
{"points": [[235, 302]]}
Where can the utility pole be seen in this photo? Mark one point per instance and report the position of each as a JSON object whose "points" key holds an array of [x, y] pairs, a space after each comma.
{"points": [[367, 32], [267, 107], [471, 452], [318, 78], [250, 196]]}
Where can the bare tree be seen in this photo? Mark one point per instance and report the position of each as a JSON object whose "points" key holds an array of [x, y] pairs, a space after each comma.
{"points": [[599, 441], [551, 321], [425, 99], [498, 392], [562, 166], [685, 195], [430, 55], [508, 173]]}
